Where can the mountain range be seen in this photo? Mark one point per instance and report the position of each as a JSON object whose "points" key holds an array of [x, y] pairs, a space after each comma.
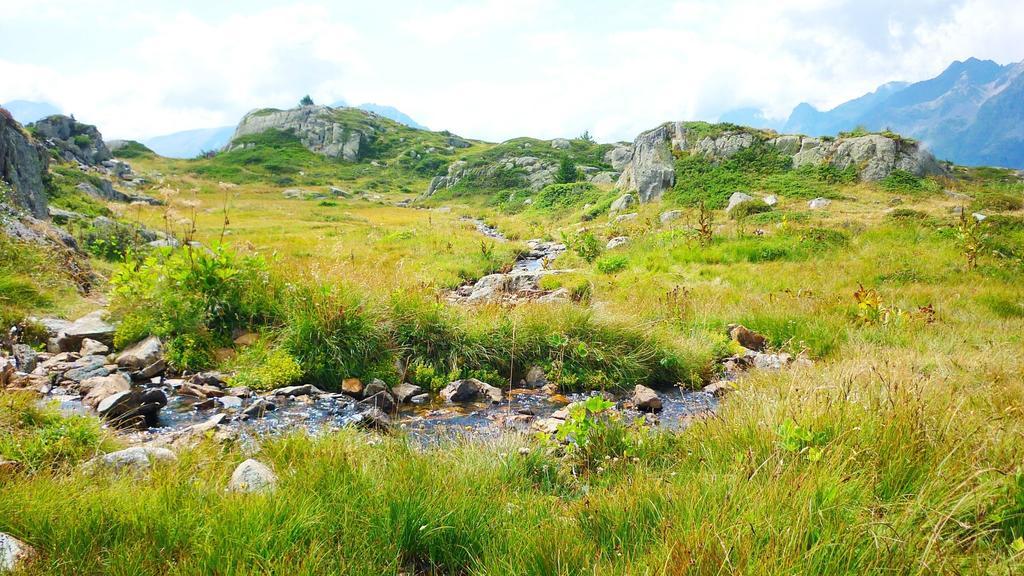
{"points": [[972, 113]]}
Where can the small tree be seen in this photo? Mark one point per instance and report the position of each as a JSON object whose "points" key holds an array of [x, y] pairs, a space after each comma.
{"points": [[586, 137], [306, 101], [567, 172]]}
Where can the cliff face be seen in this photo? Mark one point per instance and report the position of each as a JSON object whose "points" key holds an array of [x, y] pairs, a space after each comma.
{"points": [[321, 129], [73, 140], [22, 165]]}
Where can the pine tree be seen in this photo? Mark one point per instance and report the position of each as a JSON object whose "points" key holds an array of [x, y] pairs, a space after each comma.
{"points": [[306, 101], [567, 172]]}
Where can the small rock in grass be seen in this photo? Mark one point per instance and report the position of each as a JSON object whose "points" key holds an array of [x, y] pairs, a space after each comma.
{"points": [[746, 337], [252, 476], [134, 459], [14, 554]]}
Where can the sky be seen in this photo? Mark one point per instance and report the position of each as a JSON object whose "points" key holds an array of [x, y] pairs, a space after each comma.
{"points": [[489, 69]]}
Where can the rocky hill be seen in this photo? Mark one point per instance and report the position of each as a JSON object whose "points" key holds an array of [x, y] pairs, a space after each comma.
{"points": [[650, 168], [72, 140]]}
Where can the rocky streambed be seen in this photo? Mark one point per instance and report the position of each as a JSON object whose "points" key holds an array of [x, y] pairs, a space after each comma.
{"points": [[522, 282]]}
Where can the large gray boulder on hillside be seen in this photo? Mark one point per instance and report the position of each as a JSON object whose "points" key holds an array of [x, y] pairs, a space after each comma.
{"points": [[651, 170], [318, 128], [73, 140], [22, 165], [874, 156]]}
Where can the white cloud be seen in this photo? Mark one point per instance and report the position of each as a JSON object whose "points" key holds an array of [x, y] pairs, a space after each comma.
{"points": [[491, 68]]}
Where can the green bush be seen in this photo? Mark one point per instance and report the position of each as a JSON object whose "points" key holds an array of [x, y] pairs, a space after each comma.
{"points": [[192, 298], [39, 436], [566, 196], [999, 201], [742, 211], [82, 141], [263, 367], [901, 181], [612, 263]]}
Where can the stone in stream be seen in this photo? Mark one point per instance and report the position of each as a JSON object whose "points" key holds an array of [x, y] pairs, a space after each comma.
{"points": [[142, 354], [258, 408], [353, 387], [469, 390], [301, 390], [378, 395], [26, 357], [201, 391], [373, 419], [252, 476], [646, 400], [89, 326], [535, 378], [92, 347], [134, 459], [405, 392], [98, 388], [88, 367], [420, 399], [126, 407], [14, 554]]}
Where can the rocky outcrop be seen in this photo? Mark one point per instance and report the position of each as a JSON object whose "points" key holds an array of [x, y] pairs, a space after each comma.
{"points": [[651, 167], [22, 166], [319, 128], [73, 140]]}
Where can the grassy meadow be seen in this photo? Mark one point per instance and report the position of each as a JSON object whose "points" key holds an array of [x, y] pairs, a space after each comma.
{"points": [[896, 451]]}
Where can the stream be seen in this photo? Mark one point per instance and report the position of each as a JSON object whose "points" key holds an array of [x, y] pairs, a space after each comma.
{"points": [[431, 419]]}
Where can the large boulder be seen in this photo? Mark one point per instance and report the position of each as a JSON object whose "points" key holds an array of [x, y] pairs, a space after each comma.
{"points": [[91, 326], [471, 390], [22, 165], [98, 388], [321, 129], [142, 354], [651, 169]]}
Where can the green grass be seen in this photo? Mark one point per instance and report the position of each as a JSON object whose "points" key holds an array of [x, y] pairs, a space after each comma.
{"points": [[131, 150]]}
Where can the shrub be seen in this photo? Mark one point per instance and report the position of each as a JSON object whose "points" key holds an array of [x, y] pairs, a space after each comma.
{"points": [[40, 436], [584, 244], [262, 367], [750, 208], [567, 171], [612, 263], [901, 181], [999, 201], [82, 141], [565, 196]]}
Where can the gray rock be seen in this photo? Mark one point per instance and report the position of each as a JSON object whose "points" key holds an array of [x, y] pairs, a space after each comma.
{"points": [[25, 357], [252, 476], [89, 326], [23, 163], [738, 198], [378, 395], [670, 216], [645, 399], [73, 140], [771, 199], [405, 392], [651, 169], [616, 242], [621, 204], [471, 389], [259, 408], [134, 459], [320, 129], [603, 177], [99, 388], [626, 217], [535, 378], [619, 156], [92, 347], [230, 402], [141, 354], [14, 554], [88, 367], [420, 399], [302, 390], [561, 144], [818, 203], [373, 419]]}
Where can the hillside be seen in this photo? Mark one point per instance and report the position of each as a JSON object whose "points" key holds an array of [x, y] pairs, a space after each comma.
{"points": [[345, 345]]}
